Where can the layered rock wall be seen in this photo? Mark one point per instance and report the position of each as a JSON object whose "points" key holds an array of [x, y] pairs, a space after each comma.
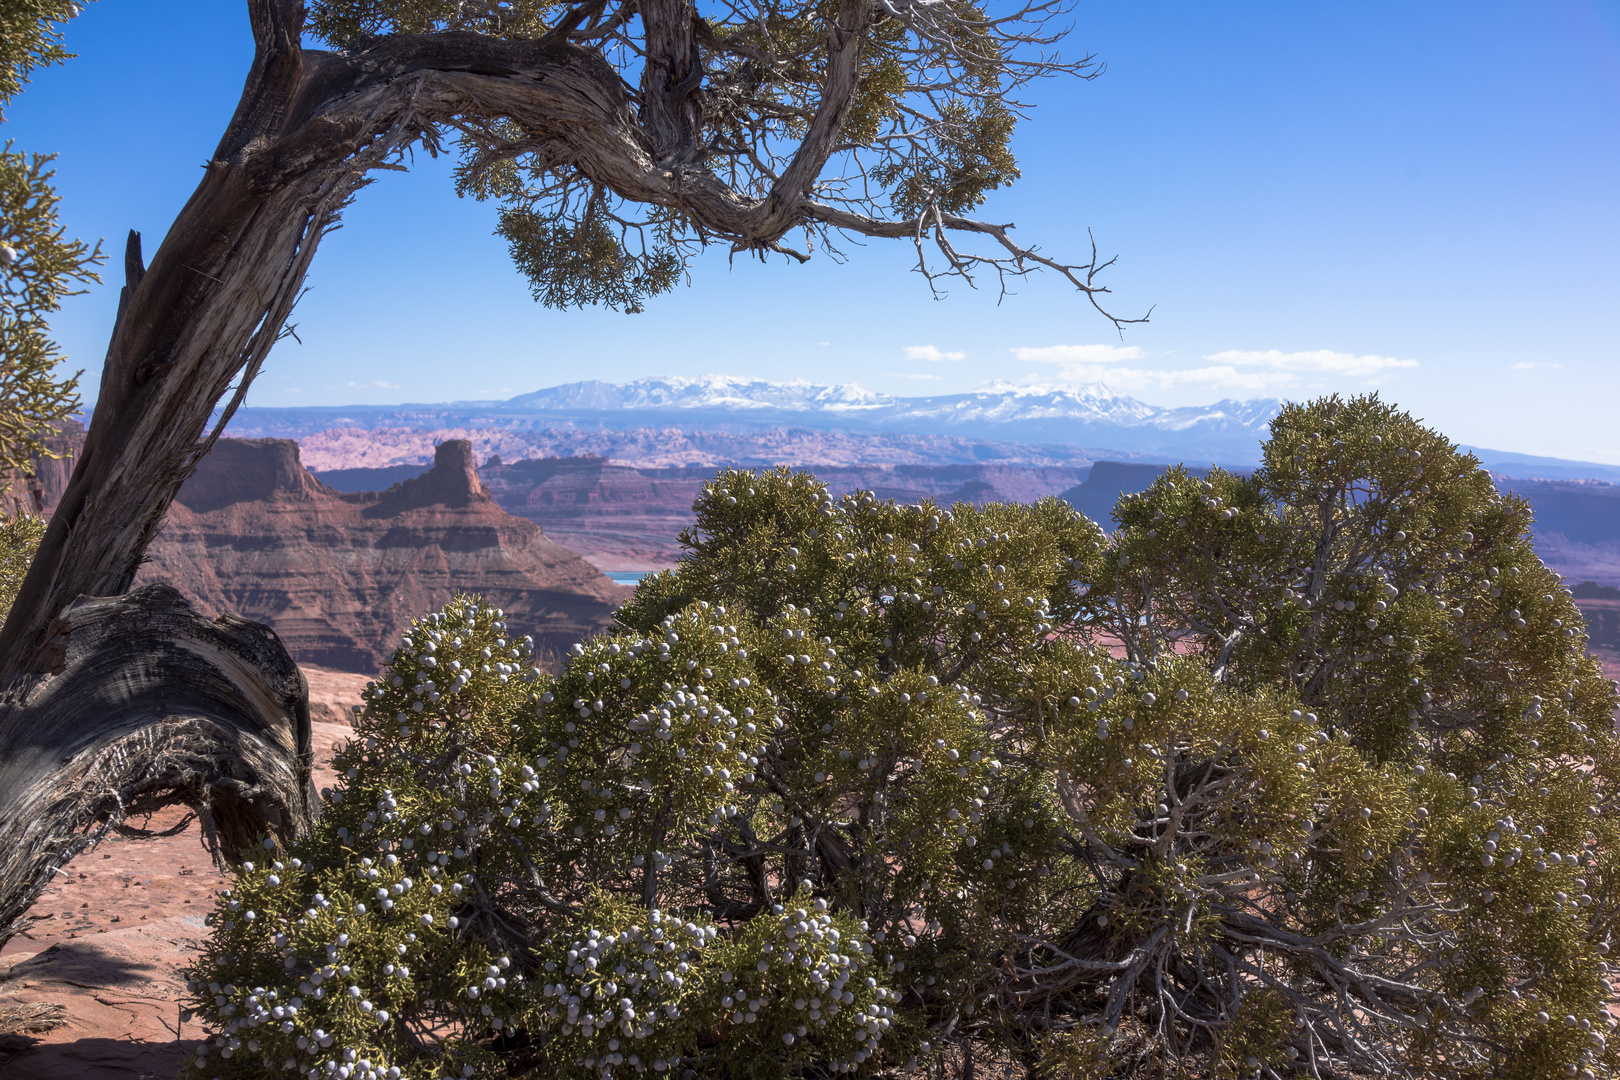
{"points": [[339, 576], [622, 517], [36, 489]]}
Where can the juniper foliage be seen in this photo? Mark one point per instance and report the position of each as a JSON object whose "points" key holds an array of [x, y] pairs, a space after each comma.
{"points": [[19, 538], [1300, 773], [39, 264]]}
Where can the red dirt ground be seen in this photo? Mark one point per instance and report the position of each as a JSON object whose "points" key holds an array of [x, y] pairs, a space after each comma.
{"points": [[116, 929]]}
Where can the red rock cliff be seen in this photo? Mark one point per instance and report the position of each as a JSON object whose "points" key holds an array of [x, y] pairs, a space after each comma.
{"points": [[341, 576]]}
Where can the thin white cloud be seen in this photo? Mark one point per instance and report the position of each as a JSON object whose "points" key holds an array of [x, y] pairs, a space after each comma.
{"points": [[932, 354], [1531, 365], [292, 389], [1215, 377], [1079, 354], [1234, 369], [378, 384], [1318, 361]]}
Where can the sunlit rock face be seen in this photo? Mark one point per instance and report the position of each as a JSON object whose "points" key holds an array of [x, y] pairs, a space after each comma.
{"points": [[339, 576]]}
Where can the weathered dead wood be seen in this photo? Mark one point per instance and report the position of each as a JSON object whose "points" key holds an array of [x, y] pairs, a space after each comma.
{"points": [[197, 324], [17, 1022], [147, 704]]}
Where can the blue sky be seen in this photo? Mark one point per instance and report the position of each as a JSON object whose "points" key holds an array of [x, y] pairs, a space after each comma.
{"points": [[1417, 198]]}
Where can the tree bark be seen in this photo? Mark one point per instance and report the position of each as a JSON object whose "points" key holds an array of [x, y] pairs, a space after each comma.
{"points": [[204, 314], [108, 705], [198, 323], [148, 704]]}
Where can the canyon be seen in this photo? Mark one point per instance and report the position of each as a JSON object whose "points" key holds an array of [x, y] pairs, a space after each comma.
{"points": [[675, 446], [629, 517], [620, 499], [625, 512], [339, 576]]}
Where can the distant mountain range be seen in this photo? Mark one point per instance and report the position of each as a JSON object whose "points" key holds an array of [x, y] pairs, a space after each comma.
{"points": [[1001, 421], [1092, 416]]}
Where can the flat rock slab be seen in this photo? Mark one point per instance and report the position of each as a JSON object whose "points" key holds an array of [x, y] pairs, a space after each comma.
{"points": [[122, 991], [119, 927], [334, 698]]}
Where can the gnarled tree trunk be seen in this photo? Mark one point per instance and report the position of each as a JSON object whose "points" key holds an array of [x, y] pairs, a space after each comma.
{"points": [[114, 704], [203, 316], [142, 704]]}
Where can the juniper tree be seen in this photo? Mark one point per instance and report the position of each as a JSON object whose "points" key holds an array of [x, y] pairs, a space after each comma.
{"points": [[618, 138], [1300, 773], [39, 264]]}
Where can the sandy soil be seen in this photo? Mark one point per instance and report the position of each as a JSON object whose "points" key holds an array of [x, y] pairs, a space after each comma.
{"points": [[116, 929]]}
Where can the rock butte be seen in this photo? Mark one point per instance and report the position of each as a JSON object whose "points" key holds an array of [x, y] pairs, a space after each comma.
{"points": [[340, 576], [630, 518]]}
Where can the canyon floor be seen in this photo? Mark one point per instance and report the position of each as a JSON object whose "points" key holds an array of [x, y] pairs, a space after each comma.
{"points": [[116, 931], [1603, 629]]}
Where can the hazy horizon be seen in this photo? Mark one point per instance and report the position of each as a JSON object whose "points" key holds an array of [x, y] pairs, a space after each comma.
{"points": [[662, 413]]}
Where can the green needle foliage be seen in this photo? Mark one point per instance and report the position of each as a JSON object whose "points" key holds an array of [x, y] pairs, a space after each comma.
{"points": [[1303, 773], [30, 38], [925, 117], [585, 262], [39, 265], [19, 539]]}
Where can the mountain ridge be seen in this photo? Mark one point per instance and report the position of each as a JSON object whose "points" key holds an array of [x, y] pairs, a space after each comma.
{"points": [[1091, 415], [1107, 424]]}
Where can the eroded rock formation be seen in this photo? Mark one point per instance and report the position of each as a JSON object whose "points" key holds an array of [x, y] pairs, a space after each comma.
{"points": [[630, 517], [340, 576]]}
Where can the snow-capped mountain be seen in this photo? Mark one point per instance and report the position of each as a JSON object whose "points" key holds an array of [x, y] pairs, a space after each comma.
{"points": [[1090, 416], [703, 392]]}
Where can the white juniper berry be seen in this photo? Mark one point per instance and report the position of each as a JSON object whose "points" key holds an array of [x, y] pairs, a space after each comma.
{"points": [[1299, 773]]}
